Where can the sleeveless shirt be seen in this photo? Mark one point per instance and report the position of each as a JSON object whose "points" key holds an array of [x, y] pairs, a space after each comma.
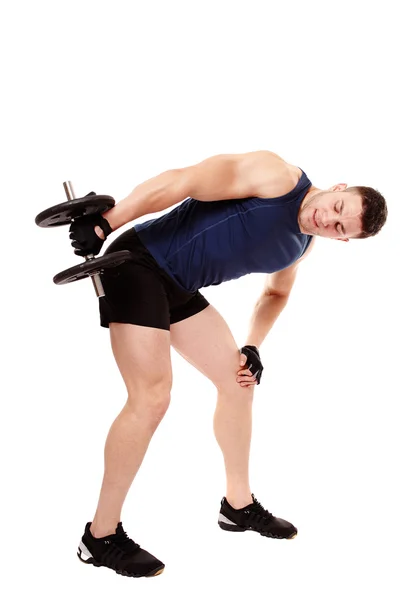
{"points": [[206, 243]]}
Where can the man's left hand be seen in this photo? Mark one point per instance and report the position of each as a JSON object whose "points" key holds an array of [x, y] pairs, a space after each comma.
{"points": [[251, 370]]}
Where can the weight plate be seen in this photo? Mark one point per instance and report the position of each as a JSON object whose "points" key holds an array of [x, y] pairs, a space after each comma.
{"points": [[96, 266], [62, 214]]}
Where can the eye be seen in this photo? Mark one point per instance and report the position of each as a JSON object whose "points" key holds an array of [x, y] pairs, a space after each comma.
{"points": [[337, 209]]}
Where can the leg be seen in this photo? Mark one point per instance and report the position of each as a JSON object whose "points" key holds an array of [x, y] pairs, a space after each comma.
{"points": [[137, 351], [207, 343]]}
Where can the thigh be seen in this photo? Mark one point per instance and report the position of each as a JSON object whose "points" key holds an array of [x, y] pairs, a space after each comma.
{"points": [[143, 356], [207, 343]]}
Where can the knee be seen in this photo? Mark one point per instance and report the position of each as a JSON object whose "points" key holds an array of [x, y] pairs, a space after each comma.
{"points": [[157, 407], [150, 406]]}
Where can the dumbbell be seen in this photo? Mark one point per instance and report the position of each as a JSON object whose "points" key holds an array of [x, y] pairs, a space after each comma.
{"points": [[73, 209]]}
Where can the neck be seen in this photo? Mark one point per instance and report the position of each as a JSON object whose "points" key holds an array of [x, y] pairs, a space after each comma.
{"points": [[310, 194]]}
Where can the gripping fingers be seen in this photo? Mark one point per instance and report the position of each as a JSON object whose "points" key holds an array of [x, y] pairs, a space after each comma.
{"points": [[245, 378]]}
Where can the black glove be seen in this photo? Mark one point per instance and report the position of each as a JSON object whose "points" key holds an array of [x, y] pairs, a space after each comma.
{"points": [[253, 361], [83, 236]]}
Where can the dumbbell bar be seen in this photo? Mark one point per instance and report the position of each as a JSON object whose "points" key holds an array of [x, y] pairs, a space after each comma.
{"points": [[65, 213]]}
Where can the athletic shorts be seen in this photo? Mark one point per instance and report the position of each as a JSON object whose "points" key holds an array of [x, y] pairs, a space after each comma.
{"points": [[141, 292]]}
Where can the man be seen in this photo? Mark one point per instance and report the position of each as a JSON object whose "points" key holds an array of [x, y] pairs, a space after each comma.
{"points": [[241, 214]]}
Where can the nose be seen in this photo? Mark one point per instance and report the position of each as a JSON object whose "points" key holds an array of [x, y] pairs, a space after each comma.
{"points": [[328, 218]]}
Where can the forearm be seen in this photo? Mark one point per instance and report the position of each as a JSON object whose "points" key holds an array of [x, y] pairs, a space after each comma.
{"points": [[151, 196], [266, 311]]}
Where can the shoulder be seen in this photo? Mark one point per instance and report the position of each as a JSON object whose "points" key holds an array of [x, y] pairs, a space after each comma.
{"points": [[272, 175]]}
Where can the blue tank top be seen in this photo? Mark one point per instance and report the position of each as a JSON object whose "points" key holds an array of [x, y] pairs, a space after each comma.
{"points": [[205, 243]]}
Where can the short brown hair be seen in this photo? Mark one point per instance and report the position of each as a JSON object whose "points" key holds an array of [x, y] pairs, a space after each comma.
{"points": [[374, 213]]}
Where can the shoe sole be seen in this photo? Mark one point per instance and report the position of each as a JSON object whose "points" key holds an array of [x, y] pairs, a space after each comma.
{"points": [[227, 527], [89, 560]]}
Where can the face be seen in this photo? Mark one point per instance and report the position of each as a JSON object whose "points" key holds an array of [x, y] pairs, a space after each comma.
{"points": [[332, 214]]}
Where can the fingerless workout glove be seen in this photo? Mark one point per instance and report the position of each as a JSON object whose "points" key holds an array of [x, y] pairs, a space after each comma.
{"points": [[253, 361], [83, 236]]}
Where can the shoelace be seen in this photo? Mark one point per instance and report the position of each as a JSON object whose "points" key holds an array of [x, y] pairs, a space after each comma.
{"points": [[124, 542], [259, 514]]}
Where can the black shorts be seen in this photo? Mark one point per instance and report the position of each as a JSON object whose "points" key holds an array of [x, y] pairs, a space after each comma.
{"points": [[141, 292]]}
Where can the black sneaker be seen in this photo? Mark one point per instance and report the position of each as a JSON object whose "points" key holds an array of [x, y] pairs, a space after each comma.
{"points": [[118, 552], [254, 517]]}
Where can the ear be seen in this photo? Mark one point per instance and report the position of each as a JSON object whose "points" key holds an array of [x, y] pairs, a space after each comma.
{"points": [[339, 187]]}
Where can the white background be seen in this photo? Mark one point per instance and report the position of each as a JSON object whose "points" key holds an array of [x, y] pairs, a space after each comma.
{"points": [[108, 94]]}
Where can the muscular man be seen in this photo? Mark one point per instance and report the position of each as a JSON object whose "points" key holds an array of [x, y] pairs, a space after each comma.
{"points": [[237, 214]]}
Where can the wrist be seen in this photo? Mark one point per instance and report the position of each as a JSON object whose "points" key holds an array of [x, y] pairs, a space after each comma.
{"points": [[113, 217], [253, 348], [252, 345]]}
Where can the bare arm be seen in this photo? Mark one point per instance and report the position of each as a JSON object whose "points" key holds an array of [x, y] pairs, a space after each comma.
{"points": [[273, 300], [221, 177], [151, 196], [266, 311]]}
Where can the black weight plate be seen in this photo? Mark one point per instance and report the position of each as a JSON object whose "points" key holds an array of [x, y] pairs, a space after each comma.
{"points": [[62, 214], [92, 267]]}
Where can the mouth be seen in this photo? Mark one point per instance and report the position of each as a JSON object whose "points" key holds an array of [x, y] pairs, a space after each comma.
{"points": [[314, 219]]}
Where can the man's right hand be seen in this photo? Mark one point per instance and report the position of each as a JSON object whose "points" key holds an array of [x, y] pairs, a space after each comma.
{"points": [[83, 234]]}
